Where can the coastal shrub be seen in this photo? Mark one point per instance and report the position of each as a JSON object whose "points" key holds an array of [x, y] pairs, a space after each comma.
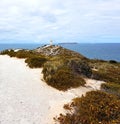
{"points": [[95, 108], [97, 61], [4, 52], [106, 71], [24, 54], [19, 53], [51, 67], [35, 62], [112, 88], [108, 74], [113, 61], [11, 53], [60, 75], [64, 79], [80, 66]]}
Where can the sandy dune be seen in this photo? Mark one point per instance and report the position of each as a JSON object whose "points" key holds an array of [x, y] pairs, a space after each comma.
{"points": [[26, 99]]}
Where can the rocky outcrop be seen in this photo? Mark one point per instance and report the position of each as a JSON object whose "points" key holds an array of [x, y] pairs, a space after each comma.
{"points": [[54, 50], [48, 50]]}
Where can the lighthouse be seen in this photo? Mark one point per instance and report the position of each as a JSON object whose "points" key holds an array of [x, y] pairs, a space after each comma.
{"points": [[51, 42]]}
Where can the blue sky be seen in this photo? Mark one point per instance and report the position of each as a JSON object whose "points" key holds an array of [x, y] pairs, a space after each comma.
{"points": [[39, 21]]}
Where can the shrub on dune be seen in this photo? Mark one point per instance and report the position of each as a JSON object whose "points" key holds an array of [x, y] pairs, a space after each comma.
{"points": [[63, 79], [112, 88], [11, 53], [35, 62], [24, 54], [94, 108]]}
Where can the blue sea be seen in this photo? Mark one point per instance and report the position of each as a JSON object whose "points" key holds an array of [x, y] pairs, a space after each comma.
{"points": [[105, 51]]}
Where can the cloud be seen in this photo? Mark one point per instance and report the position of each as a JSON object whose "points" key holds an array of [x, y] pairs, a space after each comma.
{"points": [[70, 20]]}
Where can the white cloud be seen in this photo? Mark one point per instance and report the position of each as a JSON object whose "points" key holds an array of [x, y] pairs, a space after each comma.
{"points": [[42, 20]]}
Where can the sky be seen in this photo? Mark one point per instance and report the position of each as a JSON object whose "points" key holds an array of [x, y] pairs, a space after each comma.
{"points": [[39, 21]]}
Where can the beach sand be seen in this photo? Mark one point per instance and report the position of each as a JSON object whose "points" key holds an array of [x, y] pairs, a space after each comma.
{"points": [[26, 99]]}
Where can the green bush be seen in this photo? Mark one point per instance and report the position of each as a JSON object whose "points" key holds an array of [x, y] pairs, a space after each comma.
{"points": [[112, 88], [24, 54], [80, 66], [35, 62], [94, 108], [113, 61], [51, 67], [11, 53], [4, 52], [64, 79], [108, 74], [66, 72], [19, 54]]}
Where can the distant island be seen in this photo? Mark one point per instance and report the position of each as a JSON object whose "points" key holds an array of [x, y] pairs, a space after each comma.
{"points": [[67, 43]]}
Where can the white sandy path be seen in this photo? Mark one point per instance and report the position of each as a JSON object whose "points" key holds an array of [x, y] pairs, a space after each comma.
{"points": [[26, 99]]}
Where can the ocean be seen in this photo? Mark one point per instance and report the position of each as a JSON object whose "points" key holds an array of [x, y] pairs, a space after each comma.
{"points": [[104, 51]]}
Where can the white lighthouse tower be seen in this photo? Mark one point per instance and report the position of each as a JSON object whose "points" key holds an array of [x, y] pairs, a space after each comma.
{"points": [[51, 42]]}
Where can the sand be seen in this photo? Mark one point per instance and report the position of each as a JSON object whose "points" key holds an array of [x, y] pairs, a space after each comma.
{"points": [[26, 99]]}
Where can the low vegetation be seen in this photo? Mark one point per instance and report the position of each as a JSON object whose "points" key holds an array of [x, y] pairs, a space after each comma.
{"points": [[111, 88], [19, 53], [80, 66], [64, 73], [95, 108], [108, 72], [24, 54], [11, 53], [63, 79], [35, 62], [113, 61]]}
